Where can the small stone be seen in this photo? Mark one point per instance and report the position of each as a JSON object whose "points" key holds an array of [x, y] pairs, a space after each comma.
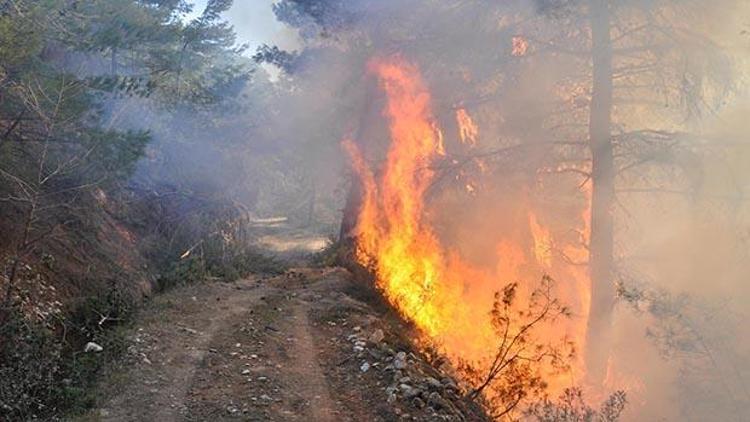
{"points": [[408, 391], [437, 401], [92, 347], [377, 336], [399, 362], [365, 367], [266, 397], [246, 372], [449, 384], [433, 384]]}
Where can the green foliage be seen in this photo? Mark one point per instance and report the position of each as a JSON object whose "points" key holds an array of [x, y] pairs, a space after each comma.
{"points": [[68, 71], [29, 366], [181, 273], [43, 369], [229, 266]]}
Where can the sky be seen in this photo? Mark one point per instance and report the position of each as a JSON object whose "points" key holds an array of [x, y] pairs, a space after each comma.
{"points": [[255, 24]]}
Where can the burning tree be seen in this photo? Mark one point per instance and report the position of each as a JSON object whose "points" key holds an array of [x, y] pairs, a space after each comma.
{"points": [[564, 110], [639, 57]]}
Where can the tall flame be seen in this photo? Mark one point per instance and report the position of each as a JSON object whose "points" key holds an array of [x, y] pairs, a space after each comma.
{"points": [[445, 296]]}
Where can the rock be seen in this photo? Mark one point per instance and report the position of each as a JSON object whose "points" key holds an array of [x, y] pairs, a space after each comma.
{"points": [[375, 354], [365, 367], [409, 391], [418, 403], [266, 397], [391, 398], [377, 336], [92, 347], [399, 362], [246, 372], [358, 349], [433, 384], [449, 384], [436, 401]]}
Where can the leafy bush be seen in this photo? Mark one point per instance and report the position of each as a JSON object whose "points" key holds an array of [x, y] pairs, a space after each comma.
{"points": [[43, 369], [29, 367]]}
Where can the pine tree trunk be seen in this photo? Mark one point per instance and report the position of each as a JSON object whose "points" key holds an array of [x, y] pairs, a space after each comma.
{"points": [[601, 263]]}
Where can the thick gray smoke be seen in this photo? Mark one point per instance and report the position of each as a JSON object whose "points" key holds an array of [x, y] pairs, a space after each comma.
{"points": [[523, 71]]}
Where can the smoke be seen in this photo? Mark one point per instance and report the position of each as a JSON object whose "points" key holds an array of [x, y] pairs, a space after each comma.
{"points": [[522, 72]]}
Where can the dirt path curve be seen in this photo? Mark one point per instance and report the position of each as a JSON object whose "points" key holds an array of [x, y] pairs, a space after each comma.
{"points": [[219, 351]]}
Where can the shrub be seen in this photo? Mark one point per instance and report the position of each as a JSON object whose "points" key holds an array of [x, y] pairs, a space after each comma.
{"points": [[29, 367]]}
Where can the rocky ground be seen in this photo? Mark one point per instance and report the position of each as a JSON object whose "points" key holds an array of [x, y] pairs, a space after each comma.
{"points": [[296, 347]]}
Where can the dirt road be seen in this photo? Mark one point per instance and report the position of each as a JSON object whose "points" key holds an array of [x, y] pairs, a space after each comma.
{"points": [[226, 351], [296, 347]]}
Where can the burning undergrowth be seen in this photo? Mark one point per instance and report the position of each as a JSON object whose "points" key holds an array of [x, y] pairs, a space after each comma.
{"points": [[496, 314]]}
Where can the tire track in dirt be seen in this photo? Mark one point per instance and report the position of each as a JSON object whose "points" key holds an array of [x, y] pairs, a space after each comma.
{"points": [[243, 351], [306, 372], [175, 336]]}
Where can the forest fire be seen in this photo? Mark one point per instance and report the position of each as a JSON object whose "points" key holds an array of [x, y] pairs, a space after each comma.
{"points": [[446, 295], [540, 210]]}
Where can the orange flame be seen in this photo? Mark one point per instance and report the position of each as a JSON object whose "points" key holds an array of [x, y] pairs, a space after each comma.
{"points": [[468, 130], [542, 242], [446, 297]]}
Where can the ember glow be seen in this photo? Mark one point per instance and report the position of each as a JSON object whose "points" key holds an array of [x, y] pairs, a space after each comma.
{"points": [[446, 295], [468, 130]]}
